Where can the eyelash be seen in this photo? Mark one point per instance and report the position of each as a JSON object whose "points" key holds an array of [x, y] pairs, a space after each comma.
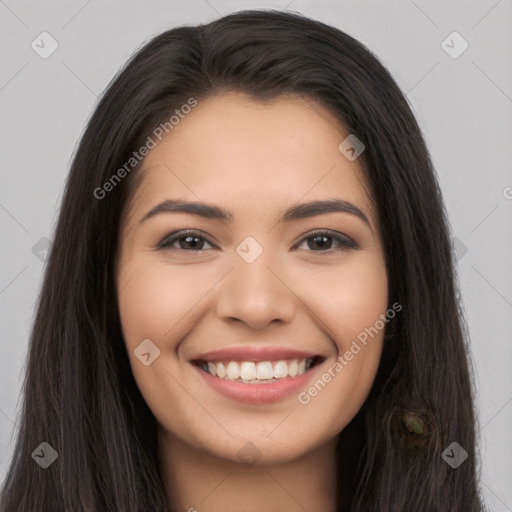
{"points": [[344, 242]]}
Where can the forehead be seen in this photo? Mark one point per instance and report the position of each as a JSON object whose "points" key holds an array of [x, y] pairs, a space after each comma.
{"points": [[241, 152]]}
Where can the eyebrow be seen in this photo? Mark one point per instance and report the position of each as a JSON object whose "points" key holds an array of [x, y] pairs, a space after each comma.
{"points": [[295, 212]]}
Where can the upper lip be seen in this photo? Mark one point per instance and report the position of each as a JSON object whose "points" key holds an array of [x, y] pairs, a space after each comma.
{"points": [[254, 354]]}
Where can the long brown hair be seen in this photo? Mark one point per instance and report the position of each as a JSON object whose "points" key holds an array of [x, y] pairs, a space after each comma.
{"points": [[79, 394]]}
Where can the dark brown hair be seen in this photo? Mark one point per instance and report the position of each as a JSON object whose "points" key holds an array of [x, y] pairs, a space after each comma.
{"points": [[79, 394]]}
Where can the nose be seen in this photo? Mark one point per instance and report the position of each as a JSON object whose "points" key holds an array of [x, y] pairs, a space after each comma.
{"points": [[257, 294]]}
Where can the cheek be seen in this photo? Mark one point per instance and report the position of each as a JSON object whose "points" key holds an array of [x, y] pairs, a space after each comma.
{"points": [[347, 299], [347, 302], [156, 302], [154, 298], [337, 302]]}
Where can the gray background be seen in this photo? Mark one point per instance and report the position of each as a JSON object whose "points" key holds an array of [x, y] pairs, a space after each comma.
{"points": [[463, 105]]}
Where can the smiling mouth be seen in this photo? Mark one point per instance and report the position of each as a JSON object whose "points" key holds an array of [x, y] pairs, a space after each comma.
{"points": [[260, 372]]}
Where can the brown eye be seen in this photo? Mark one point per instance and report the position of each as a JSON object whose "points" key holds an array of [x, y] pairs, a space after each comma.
{"points": [[321, 241], [187, 241]]}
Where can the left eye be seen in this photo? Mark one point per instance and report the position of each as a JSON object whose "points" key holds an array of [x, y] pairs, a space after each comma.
{"points": [[319, 238], [193, 241]]}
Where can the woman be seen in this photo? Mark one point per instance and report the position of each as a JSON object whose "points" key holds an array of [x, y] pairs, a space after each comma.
{"points": [[200, 343]]}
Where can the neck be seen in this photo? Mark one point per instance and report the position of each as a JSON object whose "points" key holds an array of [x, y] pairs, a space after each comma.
{"points": [[196, 481]]}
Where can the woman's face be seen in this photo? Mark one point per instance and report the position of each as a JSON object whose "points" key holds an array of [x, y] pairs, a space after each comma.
{"points": [[248, 290]]}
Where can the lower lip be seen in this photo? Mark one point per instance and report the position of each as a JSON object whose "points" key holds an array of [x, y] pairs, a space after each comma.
{"points": [[258, 393]]}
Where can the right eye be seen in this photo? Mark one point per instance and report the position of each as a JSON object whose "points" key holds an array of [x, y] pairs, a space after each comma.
{"points": [[191, 238]]}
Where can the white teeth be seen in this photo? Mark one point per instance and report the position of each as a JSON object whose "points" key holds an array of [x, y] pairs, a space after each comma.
{"points": [[211, 368], [247, 371], [293, 368], [233, 370], [280, 370], [219, 369], [263, 371]]}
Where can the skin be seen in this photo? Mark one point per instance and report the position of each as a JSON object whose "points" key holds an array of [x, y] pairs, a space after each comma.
{"points": [[253, 159]]}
